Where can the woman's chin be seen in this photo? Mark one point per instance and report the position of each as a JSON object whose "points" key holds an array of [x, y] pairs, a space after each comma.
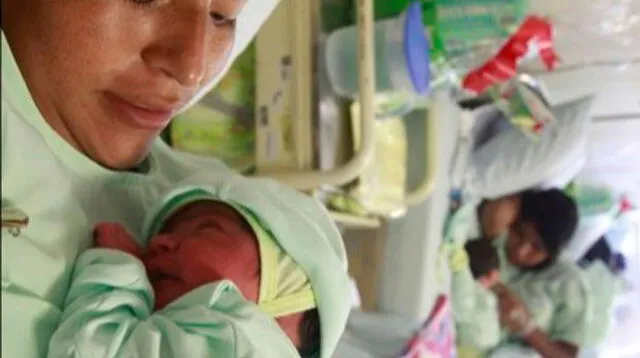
{"points": [[119, 160], [118, 150]]}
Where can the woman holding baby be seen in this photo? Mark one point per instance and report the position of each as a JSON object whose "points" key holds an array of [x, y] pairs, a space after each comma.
{"points": [[542, 300], [182, 268]]}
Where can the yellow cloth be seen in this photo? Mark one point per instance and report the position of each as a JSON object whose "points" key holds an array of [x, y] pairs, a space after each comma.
{"points": [[468, 352], [284, 287]]}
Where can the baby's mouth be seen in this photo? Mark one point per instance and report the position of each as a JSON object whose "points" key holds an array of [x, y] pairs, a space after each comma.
{"points": [[157, 269]]}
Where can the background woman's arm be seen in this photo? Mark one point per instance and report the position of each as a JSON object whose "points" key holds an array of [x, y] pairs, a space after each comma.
{"points": [[548, 348], [569, 326]]}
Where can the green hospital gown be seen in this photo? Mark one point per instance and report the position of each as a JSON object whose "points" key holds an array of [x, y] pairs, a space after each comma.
{"points": [[558, 297], [109, 313]]}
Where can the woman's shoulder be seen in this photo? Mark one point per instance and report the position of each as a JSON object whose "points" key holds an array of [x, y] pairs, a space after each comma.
{"points": [[565, 275], [564, 268]]}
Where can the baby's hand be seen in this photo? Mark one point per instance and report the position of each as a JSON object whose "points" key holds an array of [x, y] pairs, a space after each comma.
{"points": [[115, 236]]}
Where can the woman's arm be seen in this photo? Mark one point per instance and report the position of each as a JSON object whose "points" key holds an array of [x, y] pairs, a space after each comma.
{"points": [[517, 319], [548, 348]]}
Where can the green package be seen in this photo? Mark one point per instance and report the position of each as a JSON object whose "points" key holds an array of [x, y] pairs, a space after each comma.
{"points": [[464, 24]]}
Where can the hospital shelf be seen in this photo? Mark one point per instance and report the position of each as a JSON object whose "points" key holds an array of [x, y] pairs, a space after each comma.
{"points": [[355, 222], [287, 100], [302, 40], [427, 185]]}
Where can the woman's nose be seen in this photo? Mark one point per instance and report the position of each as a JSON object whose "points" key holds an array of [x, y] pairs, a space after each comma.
{"points": [[524, 250], [181, 52]]}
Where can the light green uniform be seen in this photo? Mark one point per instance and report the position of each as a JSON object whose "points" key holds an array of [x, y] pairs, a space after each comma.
{"points": [[109, 314], [108, 310], [559, 297]]}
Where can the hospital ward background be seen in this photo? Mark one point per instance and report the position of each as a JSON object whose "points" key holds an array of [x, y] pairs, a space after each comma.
{"points": [[404, 118], [393, 112]]}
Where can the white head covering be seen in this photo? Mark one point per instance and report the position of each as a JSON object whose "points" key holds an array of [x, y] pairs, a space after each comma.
{"points": [[251, 18]]}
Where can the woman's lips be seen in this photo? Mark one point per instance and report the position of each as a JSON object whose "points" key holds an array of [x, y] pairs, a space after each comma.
{"points": [[147, 117]]}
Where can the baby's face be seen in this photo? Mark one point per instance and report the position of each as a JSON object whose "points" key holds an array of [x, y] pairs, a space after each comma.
{"points": [[201, 243]]}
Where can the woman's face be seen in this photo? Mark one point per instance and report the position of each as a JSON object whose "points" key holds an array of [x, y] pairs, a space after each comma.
{"points": [[525, 248], [497, 215], [108, 75]]}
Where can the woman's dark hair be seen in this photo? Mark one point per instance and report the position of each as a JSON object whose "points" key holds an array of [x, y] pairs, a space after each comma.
{"points": [[310, 335], [483, 257], [554, 215]]}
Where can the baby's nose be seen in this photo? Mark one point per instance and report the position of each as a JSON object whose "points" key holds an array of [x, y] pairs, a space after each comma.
{"points": [[163, 243]]}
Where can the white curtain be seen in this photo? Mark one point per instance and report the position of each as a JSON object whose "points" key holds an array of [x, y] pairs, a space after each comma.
{"points": [[614, 156]]}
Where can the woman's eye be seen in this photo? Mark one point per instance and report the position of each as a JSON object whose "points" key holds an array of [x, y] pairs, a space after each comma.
{"points": [[221, 20], [142, 2]]}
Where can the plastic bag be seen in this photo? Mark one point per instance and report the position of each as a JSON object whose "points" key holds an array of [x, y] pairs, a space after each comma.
{"points": [[525, 105], [436, 338], [534, 37], [593, 32]]}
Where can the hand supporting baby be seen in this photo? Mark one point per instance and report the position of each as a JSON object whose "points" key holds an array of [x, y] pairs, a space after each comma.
{"points": [[514, 315], [114, 236]]}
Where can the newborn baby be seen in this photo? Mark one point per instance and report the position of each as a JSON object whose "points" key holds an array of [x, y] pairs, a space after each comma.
{"points": [[209, 241], [475, 273], [484, 262], [214, 281]]}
